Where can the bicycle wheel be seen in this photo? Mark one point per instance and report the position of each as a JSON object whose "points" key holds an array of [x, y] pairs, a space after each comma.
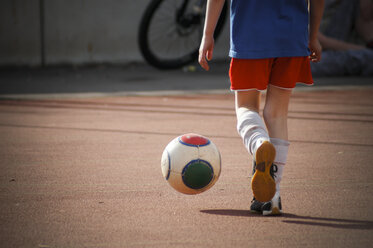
{"points": [[171, 30]]}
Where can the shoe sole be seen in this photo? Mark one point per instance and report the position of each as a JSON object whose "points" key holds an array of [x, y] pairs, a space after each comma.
{"points": [[262, 183]]}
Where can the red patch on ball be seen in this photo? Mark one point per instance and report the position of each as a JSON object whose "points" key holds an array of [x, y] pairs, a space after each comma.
{"points": [[194, 139]]}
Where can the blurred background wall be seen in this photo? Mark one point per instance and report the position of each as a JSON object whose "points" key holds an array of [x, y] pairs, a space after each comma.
{"points": [[53, 32]]}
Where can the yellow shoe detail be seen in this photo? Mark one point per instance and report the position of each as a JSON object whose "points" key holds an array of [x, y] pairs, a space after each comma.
{"points": [[262, 183]]}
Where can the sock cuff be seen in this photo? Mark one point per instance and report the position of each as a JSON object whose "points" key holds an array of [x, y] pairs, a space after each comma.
{"points": [[249, 117], [252, 129]]}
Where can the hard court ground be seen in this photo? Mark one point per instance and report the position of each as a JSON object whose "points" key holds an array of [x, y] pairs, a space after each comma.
{"points": [[85, 171]]}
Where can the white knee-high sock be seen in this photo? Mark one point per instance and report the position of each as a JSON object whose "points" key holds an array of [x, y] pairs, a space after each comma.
{"points": [[282, 149], [252, 129]]}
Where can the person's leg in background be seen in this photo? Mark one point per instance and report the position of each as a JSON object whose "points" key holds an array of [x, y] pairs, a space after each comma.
{"points": [[364, 22]]}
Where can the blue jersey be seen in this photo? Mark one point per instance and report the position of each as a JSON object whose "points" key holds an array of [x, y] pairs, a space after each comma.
{"points": [[268, 29]]}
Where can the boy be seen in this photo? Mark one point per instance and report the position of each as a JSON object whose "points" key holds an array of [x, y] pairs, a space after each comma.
{"points": [[272, 43]]}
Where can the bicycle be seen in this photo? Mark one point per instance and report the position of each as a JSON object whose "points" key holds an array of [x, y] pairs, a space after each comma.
{"points": [[170, 32]]}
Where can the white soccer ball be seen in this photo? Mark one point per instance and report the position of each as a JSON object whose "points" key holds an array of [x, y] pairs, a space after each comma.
{"points": [[191, 163]]}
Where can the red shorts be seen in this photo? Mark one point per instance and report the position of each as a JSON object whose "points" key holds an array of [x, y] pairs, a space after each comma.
{"points": [[249, 74]]}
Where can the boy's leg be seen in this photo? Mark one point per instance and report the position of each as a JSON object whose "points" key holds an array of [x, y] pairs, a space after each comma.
{"points": [[255, 137], [275, 115], [275, 111]]}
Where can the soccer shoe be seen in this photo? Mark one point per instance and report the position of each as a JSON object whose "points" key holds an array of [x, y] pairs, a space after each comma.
{"points": [[272, 207], [262, 184], [256, 206]]}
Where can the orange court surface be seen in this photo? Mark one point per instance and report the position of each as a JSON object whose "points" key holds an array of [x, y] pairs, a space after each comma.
{"points": [[85, 172]]}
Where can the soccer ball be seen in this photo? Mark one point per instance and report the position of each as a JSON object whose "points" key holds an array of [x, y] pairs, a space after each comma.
{"points": [[191, 163]]}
